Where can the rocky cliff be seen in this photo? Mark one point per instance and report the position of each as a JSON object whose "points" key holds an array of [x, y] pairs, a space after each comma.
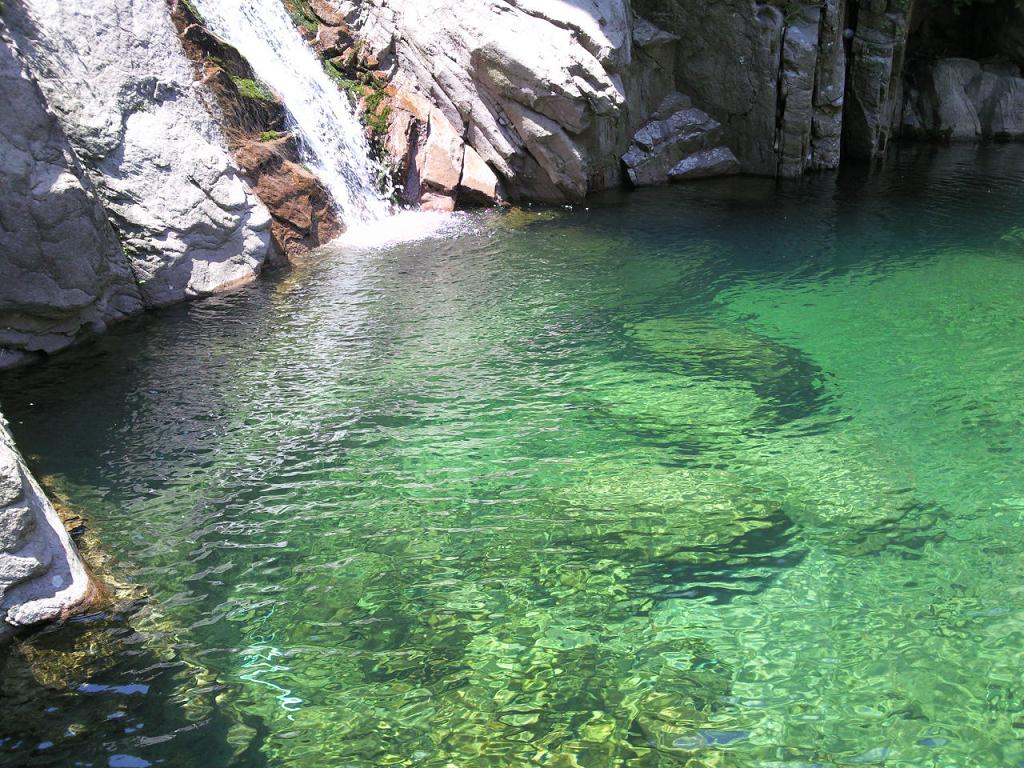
{"points": [[562, 99], [63, 275], [116, 76]]}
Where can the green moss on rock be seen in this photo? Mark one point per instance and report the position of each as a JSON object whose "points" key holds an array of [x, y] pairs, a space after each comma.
{"points": [[252, 89]]}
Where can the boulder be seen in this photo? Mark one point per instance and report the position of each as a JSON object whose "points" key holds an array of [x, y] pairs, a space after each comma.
{"points": [[63, 275], [719, 161], [958, 99], [41, 576], [189, 224], [677, 131]]}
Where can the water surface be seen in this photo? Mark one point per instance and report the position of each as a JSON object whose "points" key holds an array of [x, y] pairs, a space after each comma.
{"points": [[721, 475]]}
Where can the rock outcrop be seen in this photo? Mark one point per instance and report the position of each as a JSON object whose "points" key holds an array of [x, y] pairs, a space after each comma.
{"points": [[41, 576], [960, 99], [547, 95], [115, 74], [552, 95], [679, 142], [63, 275], [874, 90]]}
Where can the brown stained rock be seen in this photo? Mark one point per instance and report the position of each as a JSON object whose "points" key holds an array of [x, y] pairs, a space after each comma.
{"points": [[300, 206], [331, 41], [302, 213], [430, 152], [327, 14]]}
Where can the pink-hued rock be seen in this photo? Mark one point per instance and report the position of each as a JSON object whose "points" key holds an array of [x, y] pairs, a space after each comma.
{"points": [[478, 185]]}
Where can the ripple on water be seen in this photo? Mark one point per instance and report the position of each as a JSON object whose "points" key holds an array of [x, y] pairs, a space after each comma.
{"points": [[723, 475]]}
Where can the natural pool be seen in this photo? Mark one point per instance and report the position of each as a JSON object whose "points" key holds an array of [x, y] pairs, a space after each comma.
{"points": [[723, 475]]}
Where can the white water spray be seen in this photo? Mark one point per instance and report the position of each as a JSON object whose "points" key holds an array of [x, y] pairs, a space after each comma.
{"points": [[330, 136]]}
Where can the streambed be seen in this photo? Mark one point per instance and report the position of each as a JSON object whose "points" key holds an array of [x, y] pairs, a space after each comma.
{"points": [[720, 475]]}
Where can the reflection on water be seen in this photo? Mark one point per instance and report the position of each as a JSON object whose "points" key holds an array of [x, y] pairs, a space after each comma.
{"points": [[722, 475]]}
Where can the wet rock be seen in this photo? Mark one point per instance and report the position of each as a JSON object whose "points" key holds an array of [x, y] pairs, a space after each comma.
{"points": [[874, 94], [41, 576], [719, 161], [301, 208], [188, 223], [304, 216]]}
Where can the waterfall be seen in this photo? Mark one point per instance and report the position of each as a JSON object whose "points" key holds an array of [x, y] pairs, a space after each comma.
{"points": [[330, 137]]}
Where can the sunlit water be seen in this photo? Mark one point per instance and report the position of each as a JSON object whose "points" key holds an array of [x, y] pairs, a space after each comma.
{"points": [[729, 474]]}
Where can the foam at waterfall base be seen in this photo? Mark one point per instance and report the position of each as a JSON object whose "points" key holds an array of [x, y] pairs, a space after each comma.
{"points": [[404, 227]]}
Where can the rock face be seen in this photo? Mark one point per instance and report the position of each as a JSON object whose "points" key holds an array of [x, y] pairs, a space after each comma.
{"points": [[875, 80], [115, 73], [963, 100], [63, 275], [41, 575], [547, 95], [552, 95]]}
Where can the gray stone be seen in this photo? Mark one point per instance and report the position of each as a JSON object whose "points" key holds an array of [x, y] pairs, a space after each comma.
{"points": [[719, 161], [115, 73], [63, 275], [677, 131], [41, 576], [11, 487], [16, 523]]}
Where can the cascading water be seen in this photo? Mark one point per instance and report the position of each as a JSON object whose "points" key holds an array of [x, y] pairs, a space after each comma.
{"points": [[328, 130]]}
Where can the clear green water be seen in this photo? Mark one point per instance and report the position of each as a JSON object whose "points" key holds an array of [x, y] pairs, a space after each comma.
{"points": [[723, 475]]}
